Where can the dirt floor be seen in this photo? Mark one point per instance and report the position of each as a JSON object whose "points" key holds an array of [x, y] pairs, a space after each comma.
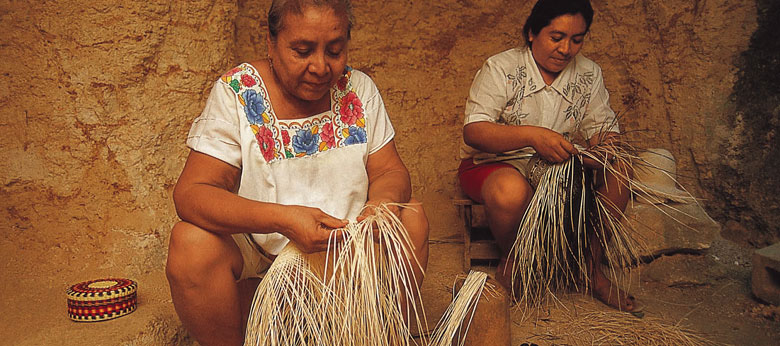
{"points": [[708, 294]]}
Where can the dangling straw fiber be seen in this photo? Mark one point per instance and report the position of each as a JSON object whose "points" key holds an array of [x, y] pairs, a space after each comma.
{"points": [[361, 292], [552, 248], [554, 234], [464, 306]]}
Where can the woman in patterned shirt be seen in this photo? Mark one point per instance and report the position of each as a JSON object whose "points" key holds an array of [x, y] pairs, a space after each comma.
{"points": [[537, 99]]}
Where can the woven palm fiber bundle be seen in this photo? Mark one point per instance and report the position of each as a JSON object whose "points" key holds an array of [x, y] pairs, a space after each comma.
{"points": [[565, 215], [488, 320], [358, 293]]}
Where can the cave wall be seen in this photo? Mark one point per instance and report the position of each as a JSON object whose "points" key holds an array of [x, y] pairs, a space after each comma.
{"points": [[748, 184], [97, 98]]}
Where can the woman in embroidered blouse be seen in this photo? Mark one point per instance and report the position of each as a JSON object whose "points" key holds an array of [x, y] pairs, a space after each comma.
{"points": [[286, 149], [536, 99]]}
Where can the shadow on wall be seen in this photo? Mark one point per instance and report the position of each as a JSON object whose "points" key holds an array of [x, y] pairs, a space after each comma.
{"points": [[749, 189]]}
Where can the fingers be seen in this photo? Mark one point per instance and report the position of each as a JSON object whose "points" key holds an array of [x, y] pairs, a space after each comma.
{"points": [[560, 152], [331, 222], [555, 148]]}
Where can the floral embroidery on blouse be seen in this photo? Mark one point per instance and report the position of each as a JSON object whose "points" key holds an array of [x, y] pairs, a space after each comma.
{"points": [[253, 96], [513, 114], [343, 125], [578, 90]]}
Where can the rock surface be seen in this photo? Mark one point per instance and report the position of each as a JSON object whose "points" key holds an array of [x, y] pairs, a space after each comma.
{"points": [[96, 99], [676, 227], [766, 274]]}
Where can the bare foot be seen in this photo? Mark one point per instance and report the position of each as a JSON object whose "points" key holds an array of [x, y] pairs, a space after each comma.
{"points": [[607, 292]]}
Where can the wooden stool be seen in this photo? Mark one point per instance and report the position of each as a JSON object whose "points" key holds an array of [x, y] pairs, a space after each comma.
{"points": [[478, 242]]}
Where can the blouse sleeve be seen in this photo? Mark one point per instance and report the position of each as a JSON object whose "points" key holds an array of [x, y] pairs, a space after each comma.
{"points": [[380, 130], [216, 131], [598, 114], [487, 96]]}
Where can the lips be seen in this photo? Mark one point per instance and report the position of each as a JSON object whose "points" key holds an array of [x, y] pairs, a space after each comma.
{"points": [[316, 85]]}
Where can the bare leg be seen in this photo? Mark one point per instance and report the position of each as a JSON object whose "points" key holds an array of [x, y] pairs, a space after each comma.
{"points": [[202, 270], [506, 193], [416, 223], [246, 293], [614, 190]]}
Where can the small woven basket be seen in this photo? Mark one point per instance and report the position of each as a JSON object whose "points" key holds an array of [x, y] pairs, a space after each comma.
{"points": [[101, 300]]}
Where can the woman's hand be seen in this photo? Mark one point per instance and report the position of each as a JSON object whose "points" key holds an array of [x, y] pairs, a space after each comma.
{"points": [[551, 145], [601, 149], [310, 228], [370, 209]]}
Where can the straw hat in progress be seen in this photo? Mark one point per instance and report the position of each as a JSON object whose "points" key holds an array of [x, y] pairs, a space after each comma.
{"points": [[656, 177]]}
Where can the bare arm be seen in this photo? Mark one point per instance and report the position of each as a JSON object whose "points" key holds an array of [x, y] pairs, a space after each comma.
{"points": [[497, 138], [388, 178], [205, 196]]}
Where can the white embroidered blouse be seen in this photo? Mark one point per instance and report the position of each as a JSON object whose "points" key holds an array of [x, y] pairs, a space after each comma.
{"points": [[317, 161]]}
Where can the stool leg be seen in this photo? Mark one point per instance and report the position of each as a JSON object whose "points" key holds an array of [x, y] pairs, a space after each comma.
{"points": [[467, 217]]}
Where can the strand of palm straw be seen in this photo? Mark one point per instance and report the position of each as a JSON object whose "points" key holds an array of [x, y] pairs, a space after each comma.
{"points": [[450, 327], [388, 296], [542, 255], [541, 242], [358, 293]]}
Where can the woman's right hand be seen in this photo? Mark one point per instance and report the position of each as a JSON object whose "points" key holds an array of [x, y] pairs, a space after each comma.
{"points": [[310, 228], [551, 145]]}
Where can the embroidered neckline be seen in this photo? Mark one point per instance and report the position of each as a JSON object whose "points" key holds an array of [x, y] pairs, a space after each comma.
{"points": [[343, 124]]}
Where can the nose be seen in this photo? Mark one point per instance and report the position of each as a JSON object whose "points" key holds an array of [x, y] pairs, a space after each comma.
{"points": [[565, 47], [318, 66]]}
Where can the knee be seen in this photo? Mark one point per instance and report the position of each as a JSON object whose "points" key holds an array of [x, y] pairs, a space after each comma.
{"points": [[192, 253], [507, 195], [416, 222]]}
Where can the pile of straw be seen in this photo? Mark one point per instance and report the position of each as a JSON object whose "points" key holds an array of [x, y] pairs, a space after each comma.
{"points": [[618, 328]]}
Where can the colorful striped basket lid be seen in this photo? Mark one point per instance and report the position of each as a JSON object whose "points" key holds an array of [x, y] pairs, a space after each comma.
{"points": [[101, 300]]}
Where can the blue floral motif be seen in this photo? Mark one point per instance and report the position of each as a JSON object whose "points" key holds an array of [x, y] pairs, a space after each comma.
{"points": [[255, 106], [357, 135], [306, 142]]}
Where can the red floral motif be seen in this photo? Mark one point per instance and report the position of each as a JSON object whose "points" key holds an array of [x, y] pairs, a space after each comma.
{"points": [[285, 138], [326, 135], [265, 138], [342, 83], [233, 71], [351, 108], [247, 80]]}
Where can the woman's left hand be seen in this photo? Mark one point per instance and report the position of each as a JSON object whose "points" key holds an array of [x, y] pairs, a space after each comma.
{"points": [[370, 209], [371, 206]]}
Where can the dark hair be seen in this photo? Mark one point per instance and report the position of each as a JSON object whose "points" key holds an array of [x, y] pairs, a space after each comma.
{"points": [[546, 10], [281, 7]]}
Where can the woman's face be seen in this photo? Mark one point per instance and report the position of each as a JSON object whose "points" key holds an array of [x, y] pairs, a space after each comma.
{"points": [[558, 43], [310, 52]]}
